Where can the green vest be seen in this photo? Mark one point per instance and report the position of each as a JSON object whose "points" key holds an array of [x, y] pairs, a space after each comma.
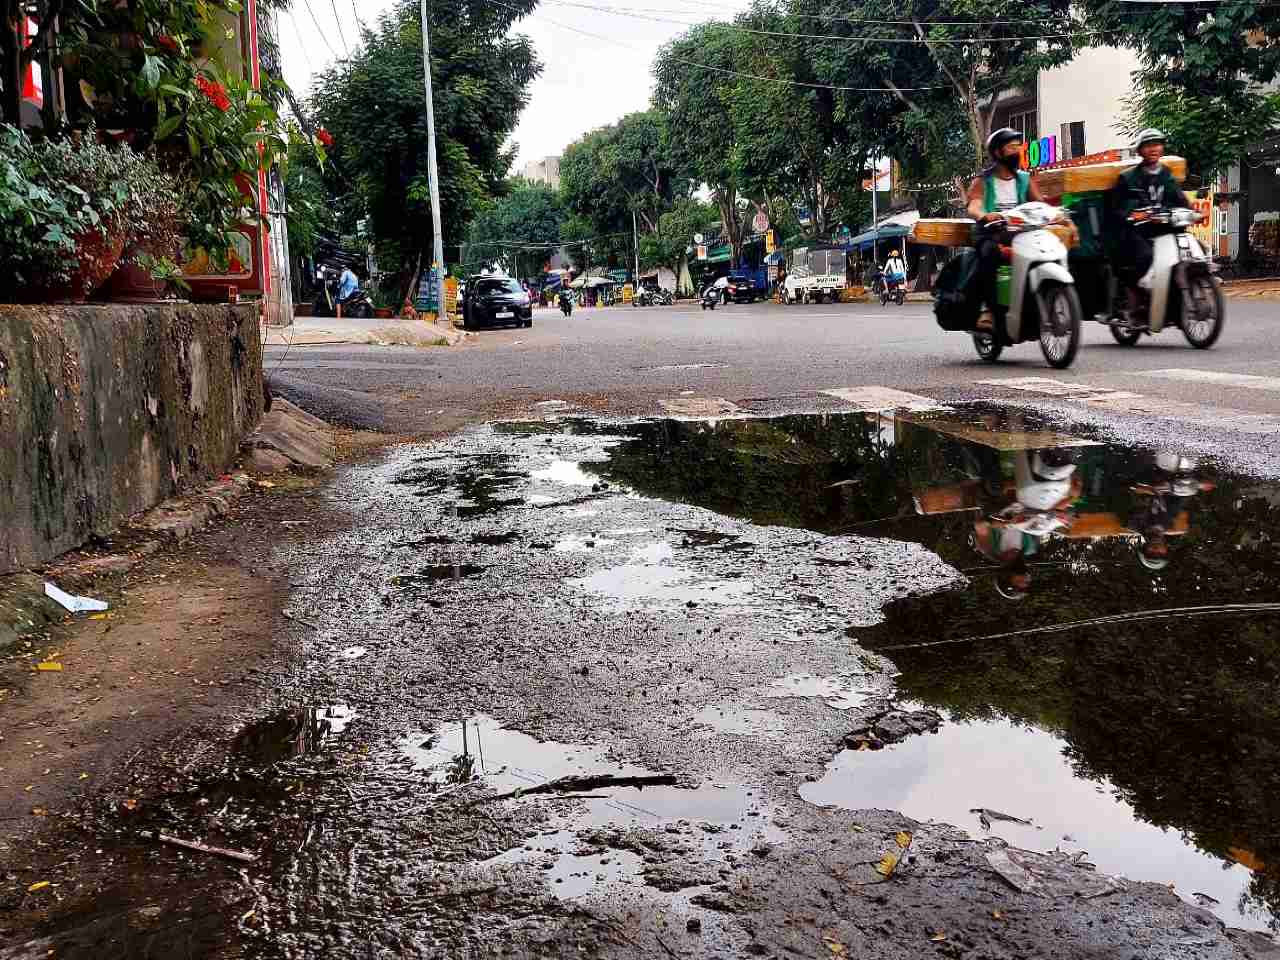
{"points": [[1021, 177]]}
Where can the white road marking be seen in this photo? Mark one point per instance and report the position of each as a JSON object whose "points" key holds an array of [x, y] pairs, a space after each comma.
{"points": [[1248, 381], [699, 407], [1241, 420], [1044, 385], [871, 399]]}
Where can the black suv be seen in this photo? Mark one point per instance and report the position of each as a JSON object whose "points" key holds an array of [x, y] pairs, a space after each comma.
{"points": [[742, 289], [491, 300]]}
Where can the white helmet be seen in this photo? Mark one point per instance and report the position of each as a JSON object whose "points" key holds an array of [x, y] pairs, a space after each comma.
{"points": [[1048, 479], [1149, 135]]}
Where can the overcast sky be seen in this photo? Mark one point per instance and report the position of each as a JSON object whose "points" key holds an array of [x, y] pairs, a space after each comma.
{"points": [[586, 82]]}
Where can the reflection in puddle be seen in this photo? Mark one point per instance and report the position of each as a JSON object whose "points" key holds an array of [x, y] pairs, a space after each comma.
{"points": [[838, 692], [352, 653], [292, 732], [638, 585], [1175, 713], [575, 543], [1027, 774], [567, 473], [437, 573], [739, 721], [570, 875]]}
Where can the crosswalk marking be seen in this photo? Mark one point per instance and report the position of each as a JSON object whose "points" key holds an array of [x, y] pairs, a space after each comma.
{"points": [[1044, 385], [1158, 407], [870, 399], [1248, 381]]}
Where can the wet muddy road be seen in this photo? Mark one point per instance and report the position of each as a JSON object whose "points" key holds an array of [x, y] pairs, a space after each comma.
{"points": [[959, 682]]}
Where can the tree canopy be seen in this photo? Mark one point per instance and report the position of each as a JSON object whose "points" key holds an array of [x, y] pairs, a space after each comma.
{"points": [[520, 230], [372, 105]]}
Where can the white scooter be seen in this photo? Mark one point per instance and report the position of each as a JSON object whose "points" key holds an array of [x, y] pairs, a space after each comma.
{"points": [[1180, 290], [1040, 295]]}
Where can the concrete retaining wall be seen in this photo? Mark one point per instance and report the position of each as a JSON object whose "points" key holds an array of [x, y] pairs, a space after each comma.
{"points": [[106, 410]]}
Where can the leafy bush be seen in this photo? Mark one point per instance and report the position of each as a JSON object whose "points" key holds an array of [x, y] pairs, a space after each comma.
{"points": [[51, 195]]}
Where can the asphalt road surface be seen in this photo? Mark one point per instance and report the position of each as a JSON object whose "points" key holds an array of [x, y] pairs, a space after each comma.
{"points": [[631, 357]]}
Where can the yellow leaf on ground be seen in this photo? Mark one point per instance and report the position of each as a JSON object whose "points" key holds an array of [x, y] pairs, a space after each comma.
{"points": [[37, 886], [938, 937], [903, 838], [886, 864], [997, 914], [837, 948], [49, 665]]}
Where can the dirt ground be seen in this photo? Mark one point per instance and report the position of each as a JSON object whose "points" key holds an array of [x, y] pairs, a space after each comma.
{"points": [[177, 654]]}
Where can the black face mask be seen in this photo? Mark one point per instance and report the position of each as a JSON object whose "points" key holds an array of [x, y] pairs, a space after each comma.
{"points": [[1013, 164]]}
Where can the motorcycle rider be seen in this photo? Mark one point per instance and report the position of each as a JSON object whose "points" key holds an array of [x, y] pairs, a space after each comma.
{"points": [[348, 283], [1148, 184], [998, 189], [895, 269]]}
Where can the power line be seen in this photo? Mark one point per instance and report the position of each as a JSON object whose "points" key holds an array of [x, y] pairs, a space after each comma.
{"points": [[333, 52], [829, 36], [338, 20], [725, 70]]}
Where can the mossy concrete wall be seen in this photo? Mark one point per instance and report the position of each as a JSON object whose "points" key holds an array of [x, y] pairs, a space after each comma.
{"points": [[106, 410]]}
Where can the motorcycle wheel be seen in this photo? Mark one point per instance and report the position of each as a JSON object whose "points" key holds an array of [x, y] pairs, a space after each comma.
{"points": [[987, 346], [1126, 338], [1060, 322], [1203, 312], [363, 311]]}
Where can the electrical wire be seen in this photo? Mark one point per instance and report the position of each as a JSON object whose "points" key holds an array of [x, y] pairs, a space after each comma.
{"points": [[733, 73], [828, 36], [338, 20], [315, 20]]}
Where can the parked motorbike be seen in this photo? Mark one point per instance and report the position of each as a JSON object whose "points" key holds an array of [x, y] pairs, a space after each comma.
{"points": [[1037, 294], [1180, 291], [643, 298], [566, 303], [710, 297], [663, 298], [893, 291]]}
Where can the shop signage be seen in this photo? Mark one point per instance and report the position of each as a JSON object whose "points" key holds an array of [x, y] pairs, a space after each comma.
{"points": [[761, 222], [1202, 231], [702, 251]]}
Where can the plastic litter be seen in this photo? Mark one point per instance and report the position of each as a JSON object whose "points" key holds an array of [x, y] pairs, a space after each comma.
{"points": [[73, 603]]}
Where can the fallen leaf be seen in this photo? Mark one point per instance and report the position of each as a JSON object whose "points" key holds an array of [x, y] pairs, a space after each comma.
{"points": [[265, 483], [903, 838], [886, 864], [858, 828], [99, 616], [997, 914], [39, 812], [131, 804], [49, 665], [37, 886], [84, 776], [837, 948], [938, 937]]}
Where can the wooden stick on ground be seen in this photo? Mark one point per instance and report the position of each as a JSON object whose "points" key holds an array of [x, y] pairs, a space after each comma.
{"points": [[200, 847]]}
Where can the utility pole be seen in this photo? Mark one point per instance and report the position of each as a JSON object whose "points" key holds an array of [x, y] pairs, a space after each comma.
{"points": [[437, 253], [635, 238], [875, 220]]}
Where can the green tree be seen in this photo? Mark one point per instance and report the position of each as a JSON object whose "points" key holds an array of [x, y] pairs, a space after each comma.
{"points": [[520, 230], [668, 246], [698, 103], [372, 104], [1210, 130], [934, 53], [310, 205]]}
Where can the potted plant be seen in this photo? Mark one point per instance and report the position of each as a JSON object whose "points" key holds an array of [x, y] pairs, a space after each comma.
{"points": [[154, 212], [64, 213]]}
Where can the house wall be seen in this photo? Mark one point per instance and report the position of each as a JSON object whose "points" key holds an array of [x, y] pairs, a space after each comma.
{"points": [[1091, 88]]}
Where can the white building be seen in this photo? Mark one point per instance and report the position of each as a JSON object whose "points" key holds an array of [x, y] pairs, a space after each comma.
{"points": [[1075, 109], [546, 170]]}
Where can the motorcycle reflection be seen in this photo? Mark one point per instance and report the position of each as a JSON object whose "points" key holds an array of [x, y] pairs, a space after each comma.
{"points": [[1025, 488]]}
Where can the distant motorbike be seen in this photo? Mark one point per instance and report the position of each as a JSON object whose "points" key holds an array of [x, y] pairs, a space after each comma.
{"points": [[710, 297], [643, 298], [1038, 298], [566, 303], [663, 298], [894, 291], [1181, 290]]}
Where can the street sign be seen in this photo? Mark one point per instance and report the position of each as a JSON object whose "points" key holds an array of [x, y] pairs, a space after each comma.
{"points": [[428, 298], [761, 223], [770, 244]]}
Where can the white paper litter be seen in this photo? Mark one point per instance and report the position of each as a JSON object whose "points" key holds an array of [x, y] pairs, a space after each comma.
{"points": [[74, 604]]}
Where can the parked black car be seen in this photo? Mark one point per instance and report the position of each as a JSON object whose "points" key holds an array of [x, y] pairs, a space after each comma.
{"points": [[742, 289], [492, 300]]}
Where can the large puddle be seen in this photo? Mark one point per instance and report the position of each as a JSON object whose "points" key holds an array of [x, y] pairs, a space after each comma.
{"points": [[1110, 670]]}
